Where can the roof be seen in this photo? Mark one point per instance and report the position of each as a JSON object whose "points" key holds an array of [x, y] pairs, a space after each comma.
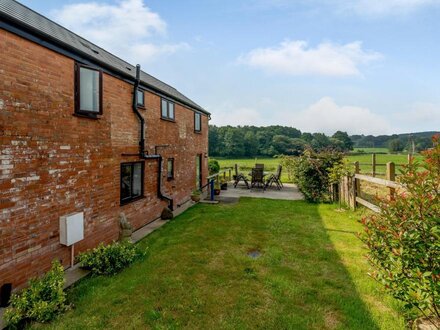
{"points": [[31, 20]]}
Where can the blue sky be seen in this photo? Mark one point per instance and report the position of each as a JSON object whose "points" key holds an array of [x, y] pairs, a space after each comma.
{"points": [[363, 66]]}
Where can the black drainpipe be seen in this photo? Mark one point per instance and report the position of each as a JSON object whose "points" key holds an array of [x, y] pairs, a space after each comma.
{"points": [[136, 111], [142, 153]]}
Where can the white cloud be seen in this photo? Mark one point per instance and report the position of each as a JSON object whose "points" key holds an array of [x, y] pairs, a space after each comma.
{"points": [[325, 116], [371, 8], [386, 7], [419, 117], [125, 28], [240, 116], [296, 58]]}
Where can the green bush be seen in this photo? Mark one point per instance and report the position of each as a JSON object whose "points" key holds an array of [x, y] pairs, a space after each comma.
{"points": [[311, 173], [404, 239], [213, 166], [109, 259], [42, 301]]}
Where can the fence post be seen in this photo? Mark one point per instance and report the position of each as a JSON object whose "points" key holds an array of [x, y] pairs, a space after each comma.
{"points": [[391, 176], [211, 190], [373, 164], [356, 184]]}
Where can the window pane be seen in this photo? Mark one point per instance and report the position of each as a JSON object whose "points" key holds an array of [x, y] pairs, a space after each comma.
{"points": [[126, 181], [89, 90], [140, 97], [164, 108], [198, 122], [171, 110], [170, 169], [137, 180]]}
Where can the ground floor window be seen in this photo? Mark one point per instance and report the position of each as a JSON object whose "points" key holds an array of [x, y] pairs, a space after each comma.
{"points": [[170, 168], [132, 181]]}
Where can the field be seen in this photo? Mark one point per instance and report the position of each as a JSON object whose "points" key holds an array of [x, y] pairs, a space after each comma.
{"points": [[371, 150], [245, 164], [398, 159], [197, 274]]}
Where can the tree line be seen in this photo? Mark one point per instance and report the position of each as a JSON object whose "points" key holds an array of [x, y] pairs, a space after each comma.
{"points": [[396, 142], [251, 141]]}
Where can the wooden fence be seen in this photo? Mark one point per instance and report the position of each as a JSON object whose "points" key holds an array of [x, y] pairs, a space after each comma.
{"points": [[221, 175], [349, 189], [374, 164]]}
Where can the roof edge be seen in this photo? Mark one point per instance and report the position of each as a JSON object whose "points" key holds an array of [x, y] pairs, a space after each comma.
{"points": [[59, 44]]}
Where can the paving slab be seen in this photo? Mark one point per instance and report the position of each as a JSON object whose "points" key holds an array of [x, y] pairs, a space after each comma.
{"points": [[288, 192]]}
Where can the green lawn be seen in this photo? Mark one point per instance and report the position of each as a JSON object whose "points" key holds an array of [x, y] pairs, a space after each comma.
{"points": [[196, 275]]}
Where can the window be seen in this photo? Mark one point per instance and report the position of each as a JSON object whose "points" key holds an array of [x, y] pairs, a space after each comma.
{"points": [[197, 122], [132, 179], [88, 91], [167, 109], [170, 169], [140, 98]]}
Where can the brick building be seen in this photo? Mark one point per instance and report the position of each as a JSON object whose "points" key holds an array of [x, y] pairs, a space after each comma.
{"points": [[80, 133]]}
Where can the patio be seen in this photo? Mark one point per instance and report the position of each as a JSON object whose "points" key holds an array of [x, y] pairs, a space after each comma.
{"points": [[289, 192]]}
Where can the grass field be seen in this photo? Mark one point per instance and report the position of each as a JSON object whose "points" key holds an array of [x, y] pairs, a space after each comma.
{"points": [[270, 164], [371, 150], [398, 159], [196, 274]]}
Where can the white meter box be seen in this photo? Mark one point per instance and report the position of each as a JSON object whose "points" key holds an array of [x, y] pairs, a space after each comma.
{"points": [[71, 228]]}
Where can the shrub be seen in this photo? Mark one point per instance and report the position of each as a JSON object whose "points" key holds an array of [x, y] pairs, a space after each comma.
{"points": [[311, 173], [213, 166], [42, 301], [109, 259], [404, 239], [288, 163]]}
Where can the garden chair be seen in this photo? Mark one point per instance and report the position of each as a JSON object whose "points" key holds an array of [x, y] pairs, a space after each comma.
{"points": [[239, 177], [275, 178], [259, 166], [258, 178]]}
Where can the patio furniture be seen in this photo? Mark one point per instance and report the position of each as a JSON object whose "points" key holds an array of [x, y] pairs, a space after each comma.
{"points": [[275, 178], [239, 177], [258, 178]]}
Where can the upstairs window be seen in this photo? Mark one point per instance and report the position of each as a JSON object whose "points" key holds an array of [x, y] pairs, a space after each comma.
{"points": [[170, 168], [140, 98], [132, 179], [167, 110], [88, 91], [197, 122]]}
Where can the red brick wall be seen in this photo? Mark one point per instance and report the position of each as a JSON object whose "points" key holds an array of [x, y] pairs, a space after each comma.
{"points": [[53, 163]]}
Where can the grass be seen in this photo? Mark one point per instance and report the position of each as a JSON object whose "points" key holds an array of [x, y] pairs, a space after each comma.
{"points": [[270, 164], [398, 159], [246, 164], [196, 275], [371, 150]]}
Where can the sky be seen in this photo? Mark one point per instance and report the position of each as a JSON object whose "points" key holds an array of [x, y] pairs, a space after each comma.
{"points": [[361, 66]]}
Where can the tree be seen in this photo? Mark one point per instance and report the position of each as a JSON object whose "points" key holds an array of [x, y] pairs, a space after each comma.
{"points": [[233, 143], [345, 139], [308, 137], [395, 145], [320, 141], [250, 144]]}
